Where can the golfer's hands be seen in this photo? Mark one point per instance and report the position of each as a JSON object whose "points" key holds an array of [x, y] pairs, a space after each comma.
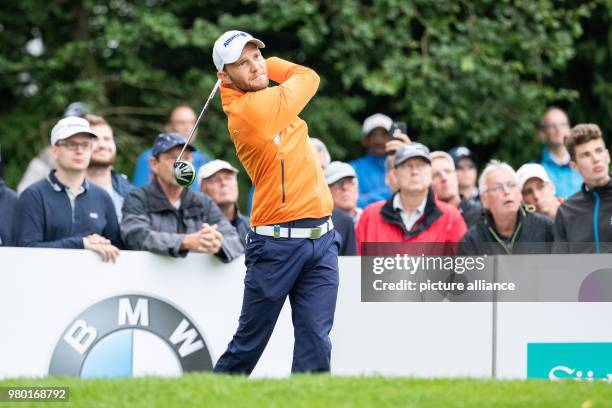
{"points": [[393, 145], [207, 240], [102, 246]]}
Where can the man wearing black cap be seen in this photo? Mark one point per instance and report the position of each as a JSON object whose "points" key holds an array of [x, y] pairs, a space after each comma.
{"points": [[413, 214], [467, 173], [168, 219]]}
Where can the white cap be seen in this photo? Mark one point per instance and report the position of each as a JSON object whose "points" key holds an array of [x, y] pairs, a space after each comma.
{"points": [[229, 46], [212, 167], [338, 170], [70, 126], [378, 120], [531, 170]]}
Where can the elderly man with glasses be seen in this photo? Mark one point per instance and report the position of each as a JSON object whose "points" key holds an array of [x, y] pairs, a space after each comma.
{"points": [[507, 225]]}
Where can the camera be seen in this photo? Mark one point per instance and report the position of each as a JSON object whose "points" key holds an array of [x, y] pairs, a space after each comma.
{"points": [[398, 127]]}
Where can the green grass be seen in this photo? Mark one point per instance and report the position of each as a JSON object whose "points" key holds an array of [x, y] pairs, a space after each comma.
{"points": [[206, 390]]}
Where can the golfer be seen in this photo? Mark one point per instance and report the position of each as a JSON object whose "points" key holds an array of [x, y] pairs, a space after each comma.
{"points": [[292, 248]]}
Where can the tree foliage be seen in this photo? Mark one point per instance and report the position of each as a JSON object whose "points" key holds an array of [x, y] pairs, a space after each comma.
{"points": [[457, 71]]}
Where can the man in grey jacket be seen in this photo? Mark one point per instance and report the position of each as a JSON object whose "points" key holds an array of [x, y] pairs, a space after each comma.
{"points": [[168, 219]]}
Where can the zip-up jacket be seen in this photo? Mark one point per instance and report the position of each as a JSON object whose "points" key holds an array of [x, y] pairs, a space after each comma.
{"points": [[46, 219], [151, 223], [532, 235], [440, 222], [8, 208], [584, 221], [272, 143]]}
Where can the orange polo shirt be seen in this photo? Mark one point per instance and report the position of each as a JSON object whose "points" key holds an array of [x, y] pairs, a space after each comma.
{"points": [[272, 143]]}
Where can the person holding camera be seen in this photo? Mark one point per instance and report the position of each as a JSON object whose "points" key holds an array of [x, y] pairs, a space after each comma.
{"points": [[377, 130]]}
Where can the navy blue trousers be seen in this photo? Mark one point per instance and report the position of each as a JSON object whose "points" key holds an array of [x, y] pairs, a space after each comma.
{"points": [[305, 270]]}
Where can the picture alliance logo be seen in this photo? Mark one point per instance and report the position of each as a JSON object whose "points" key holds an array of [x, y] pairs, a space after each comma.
{"points": [[130, 335], [566, 373]]}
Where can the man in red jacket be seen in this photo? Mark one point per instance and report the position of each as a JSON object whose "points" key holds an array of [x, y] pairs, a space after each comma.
{"points": [[413, 214]]}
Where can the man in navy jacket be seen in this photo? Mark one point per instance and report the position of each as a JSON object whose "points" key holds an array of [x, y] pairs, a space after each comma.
{"points": [[64, 210]]}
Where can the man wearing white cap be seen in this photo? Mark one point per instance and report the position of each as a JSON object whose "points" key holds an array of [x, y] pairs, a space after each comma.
{"points": [[218, 179], [342, 181], [292, 248], [64, 210], [538, 190], [371, 167]]}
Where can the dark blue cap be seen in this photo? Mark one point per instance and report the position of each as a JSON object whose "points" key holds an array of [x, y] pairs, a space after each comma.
{"points": [[167, 141], [459, 152]]}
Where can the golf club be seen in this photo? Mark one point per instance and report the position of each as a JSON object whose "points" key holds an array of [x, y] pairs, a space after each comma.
{"points": [[184, 172]]}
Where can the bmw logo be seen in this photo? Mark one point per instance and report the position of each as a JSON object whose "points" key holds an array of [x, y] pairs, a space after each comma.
{"points": [[130, 335]]}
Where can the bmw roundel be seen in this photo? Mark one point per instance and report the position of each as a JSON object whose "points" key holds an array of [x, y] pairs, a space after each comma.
{"points": [[130, 335]]}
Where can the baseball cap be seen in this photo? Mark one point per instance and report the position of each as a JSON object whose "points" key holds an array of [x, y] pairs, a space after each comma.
{"points": [[167, 141], [377, 120], [77, 108], [338, 170], [410, 151], [531, 170], [229, 46], [68, 127], [212, 167], [459, 152]]}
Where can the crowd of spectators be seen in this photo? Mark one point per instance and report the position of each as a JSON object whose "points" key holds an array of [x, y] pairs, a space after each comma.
{"points": [[71, 197]]}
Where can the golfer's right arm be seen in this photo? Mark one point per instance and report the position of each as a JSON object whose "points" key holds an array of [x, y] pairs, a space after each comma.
{"points": [[277, 107]]}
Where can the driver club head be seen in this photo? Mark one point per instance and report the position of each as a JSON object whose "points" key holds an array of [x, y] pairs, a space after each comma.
{"points": [[184, 173]]}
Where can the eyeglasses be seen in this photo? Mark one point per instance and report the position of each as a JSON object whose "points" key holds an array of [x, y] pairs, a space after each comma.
{"points": [[73, 146], [499, 187], [538, 187]]}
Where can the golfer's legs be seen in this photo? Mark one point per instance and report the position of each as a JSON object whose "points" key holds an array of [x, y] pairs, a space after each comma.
{"points": [[313, 303], [272, 267], [257, 320]]}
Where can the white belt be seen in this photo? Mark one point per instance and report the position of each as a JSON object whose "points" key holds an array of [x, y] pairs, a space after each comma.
{"points": [[277, 231]]}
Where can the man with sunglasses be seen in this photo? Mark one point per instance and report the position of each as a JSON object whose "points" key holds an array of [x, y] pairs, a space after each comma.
{"points": [[507, 225], [65, 210]]}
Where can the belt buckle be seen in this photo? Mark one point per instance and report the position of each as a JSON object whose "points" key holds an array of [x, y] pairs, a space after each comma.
{"points": [[315, 233], [277, 231]]}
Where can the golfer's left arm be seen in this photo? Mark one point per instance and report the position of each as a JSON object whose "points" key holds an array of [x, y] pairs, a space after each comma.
{"points": [[278, 106]]}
